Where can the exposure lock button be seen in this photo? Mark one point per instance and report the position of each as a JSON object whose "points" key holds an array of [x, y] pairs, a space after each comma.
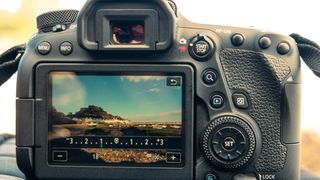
{"points": [[44, 48], [265, 42]]}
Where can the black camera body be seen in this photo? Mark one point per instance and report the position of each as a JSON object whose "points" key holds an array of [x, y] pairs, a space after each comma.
{"points": [[133, 90]]}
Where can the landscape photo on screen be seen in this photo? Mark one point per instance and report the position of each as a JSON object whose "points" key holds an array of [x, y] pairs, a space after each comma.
{"points": [[126, 114]]}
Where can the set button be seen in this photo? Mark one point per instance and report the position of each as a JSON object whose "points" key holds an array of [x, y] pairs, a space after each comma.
{"points": [[229, 143]]}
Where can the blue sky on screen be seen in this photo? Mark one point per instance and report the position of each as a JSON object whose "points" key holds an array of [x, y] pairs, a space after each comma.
{"points": [[137, 98]]}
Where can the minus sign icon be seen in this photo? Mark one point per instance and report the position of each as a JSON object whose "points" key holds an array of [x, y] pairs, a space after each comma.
{"points": [[59, 156]]}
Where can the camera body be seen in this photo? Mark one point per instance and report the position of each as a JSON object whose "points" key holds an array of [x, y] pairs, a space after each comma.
{"points": [[133, 90]]}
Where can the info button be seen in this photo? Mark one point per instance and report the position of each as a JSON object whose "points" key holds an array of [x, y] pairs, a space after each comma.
{"points": [[66, 48], [59, 156]]}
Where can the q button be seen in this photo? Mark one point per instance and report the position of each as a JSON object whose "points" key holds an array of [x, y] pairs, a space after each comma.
{"points": [[209, 77]]}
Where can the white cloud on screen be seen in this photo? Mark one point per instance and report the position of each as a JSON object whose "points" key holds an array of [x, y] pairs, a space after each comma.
{"points": [[137, 79], [73, 95], [154, 90]]}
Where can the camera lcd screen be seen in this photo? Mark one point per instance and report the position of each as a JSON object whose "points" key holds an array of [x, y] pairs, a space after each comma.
{"points": [[126, 120], [128, 32]]}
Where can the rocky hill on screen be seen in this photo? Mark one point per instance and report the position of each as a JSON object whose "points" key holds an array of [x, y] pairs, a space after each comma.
{"points": [[91, 112]]}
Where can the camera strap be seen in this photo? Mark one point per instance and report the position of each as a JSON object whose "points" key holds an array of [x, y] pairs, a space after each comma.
{"points": [[9, 62], [309, 51]]}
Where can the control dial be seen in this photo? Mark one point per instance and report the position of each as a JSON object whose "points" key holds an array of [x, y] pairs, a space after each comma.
{"points": [[228, 142], [56, 20]]}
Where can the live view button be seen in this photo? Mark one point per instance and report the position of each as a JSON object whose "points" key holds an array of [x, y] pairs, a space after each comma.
{"points": [[59, 156]]}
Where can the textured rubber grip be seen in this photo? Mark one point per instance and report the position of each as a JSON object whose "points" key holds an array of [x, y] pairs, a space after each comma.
{"points": [[46, 21], [261, 77]]}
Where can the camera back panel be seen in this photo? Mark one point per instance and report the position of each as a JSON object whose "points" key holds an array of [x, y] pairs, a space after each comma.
{"points": [[240, 102]]}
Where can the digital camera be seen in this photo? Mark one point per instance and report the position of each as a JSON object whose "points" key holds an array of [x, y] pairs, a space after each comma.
{"points": [[133, 90]]}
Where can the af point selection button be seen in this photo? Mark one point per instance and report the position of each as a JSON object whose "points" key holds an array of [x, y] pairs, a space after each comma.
{"points": [[209, 77], [66, 48], [44, 48]]}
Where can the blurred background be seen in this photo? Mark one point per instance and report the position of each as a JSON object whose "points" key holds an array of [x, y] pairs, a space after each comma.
{"points": [[17, 24]]}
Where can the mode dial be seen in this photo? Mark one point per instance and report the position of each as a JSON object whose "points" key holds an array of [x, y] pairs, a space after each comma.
{"points": [[56, 20], [228, 142]]}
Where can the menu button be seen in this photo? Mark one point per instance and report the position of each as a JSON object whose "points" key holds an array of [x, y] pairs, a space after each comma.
{"points": [[44, 48]]}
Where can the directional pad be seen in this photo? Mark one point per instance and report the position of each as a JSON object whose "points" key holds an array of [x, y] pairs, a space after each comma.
{"points": [[228, 143]]}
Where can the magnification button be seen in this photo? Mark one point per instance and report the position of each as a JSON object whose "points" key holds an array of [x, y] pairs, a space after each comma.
{"points": [[209, 77]]}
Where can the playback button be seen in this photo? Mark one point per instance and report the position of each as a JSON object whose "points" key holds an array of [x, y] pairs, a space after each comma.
{"points": [[216, 101]]}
